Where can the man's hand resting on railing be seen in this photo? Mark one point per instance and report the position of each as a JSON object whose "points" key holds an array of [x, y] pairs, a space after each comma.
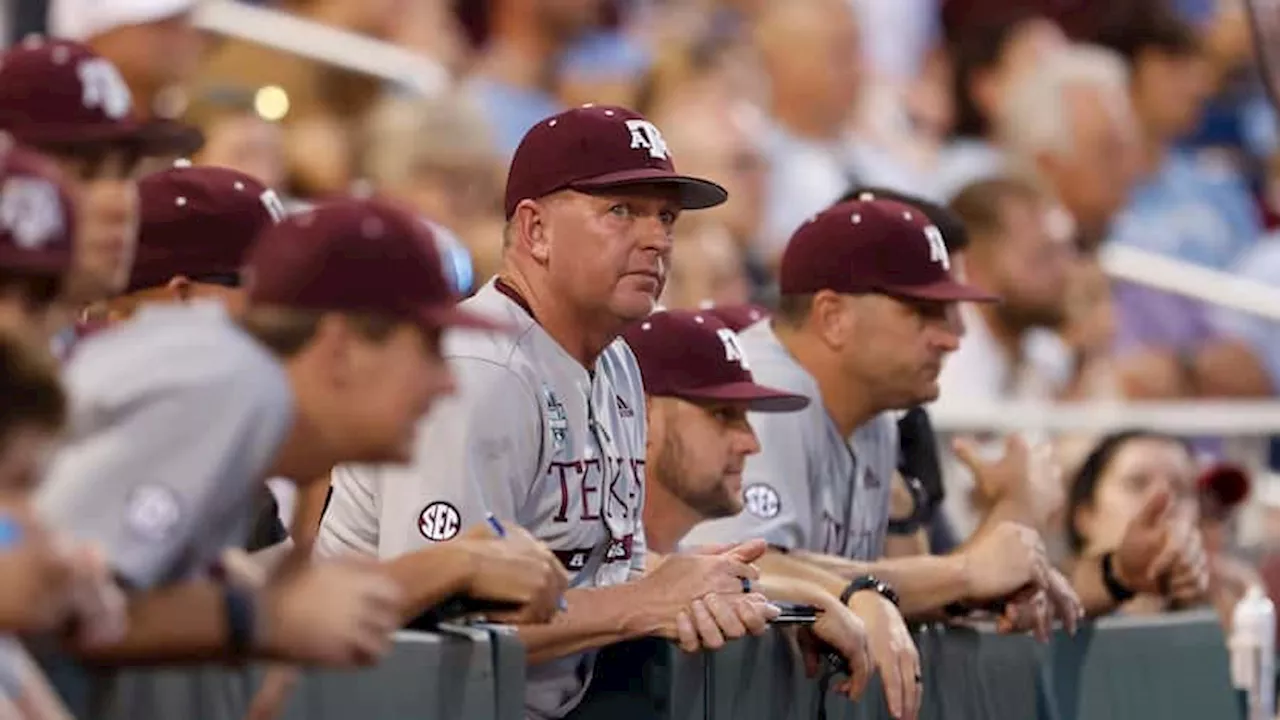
{"points": [[700, 598], [893, 651], [338, 613], [838, 629], [1009, 563]]}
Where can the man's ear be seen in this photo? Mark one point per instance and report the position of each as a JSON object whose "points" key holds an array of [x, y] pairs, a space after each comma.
{"points": [[530, 230], [831, 317]]}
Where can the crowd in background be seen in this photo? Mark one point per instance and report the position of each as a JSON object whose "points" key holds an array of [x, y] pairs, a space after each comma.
{"points": [[1050, 129]]}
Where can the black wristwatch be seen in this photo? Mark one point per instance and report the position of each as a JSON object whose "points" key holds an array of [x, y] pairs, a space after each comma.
{"points": [[1117, 589], [869, 582]]}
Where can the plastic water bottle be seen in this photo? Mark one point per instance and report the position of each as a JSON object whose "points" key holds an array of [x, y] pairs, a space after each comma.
{"points": [[1252, 646]]}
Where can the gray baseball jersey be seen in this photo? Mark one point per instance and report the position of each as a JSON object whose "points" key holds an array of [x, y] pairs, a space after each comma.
{"points": [[532, 437], [174, 419], [809, 488]]}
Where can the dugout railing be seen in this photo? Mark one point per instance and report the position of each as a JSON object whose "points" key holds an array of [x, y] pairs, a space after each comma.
{"points": [[1170, 667]]}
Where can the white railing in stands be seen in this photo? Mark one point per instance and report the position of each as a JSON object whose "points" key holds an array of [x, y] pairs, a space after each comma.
{"points": [[323, 43]]}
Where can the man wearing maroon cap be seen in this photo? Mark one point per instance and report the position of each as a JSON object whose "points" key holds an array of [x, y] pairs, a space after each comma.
{"points": [[37, 224], [197, 224], [862, 328], [62, 99], [548, 428], [698, 390], [334, 360]]}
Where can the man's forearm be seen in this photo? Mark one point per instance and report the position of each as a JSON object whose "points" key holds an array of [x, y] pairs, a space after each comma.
{"points": [[428, 577], [594, 617], [925, 583], [176, 625]]}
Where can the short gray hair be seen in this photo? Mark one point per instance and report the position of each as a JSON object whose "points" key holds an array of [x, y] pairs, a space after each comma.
{"points": [[1036, 117]]}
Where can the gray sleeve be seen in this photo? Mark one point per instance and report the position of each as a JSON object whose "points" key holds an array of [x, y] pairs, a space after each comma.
{"points": [[479, 451], [777, 504], [350, 521], [143, 475], [12, 664]]}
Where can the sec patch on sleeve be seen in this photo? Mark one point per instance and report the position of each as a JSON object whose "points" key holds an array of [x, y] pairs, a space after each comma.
{"points": [[762, 501], [439, 521], [153, 512]]}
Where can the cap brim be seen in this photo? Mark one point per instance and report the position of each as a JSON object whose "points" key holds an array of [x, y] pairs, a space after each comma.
{"points": [[151, 138], [1228, 484], [453, 316], [49, 264], [757, 398], [695, 193], [944, 291]]}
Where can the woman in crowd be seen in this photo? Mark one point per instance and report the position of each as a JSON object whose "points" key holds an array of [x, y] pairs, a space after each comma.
{"points": [[1115, 481]]}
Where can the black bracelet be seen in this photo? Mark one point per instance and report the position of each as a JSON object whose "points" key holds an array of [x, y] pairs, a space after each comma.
{"points": [[1117, 590], [241, 612], [956, 610], [869, 582]]}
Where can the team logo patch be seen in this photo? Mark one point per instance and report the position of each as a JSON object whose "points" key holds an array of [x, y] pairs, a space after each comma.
{"points": [[153, 512], [761, 501], [557, 419], [439, 521]]}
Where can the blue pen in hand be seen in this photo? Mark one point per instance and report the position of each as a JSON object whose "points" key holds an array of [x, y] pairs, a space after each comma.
{"points": [[502, 532]]}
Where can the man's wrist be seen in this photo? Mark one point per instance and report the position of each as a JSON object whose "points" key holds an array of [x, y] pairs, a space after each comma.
{"points": [[868, 583]]}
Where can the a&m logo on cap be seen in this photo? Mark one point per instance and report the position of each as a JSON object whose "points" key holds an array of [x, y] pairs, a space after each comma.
{"points": [[31, 211], [732, 349], [102, 87], [937, 247], [646, 136]]}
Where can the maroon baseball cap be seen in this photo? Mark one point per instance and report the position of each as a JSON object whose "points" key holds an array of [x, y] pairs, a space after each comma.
{"points": [[738, 317], [694, 356], [872, 246], [595, 148], [363, 256], [37, 216], [61, 93], [199, 220]]}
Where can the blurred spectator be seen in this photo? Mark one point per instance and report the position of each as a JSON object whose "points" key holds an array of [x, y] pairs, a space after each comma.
{"points": [[706, 267], [517, 75], [438, 156], [153, 44], [812, 102], [1183, 207], [322, 105], [721, 140], [237, 135], [984, 63], [1120, 475], [1020, 250], [1070, 123]]}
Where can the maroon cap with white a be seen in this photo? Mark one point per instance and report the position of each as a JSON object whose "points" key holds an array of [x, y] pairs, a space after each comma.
{"points": [[60, 93], [694, 356], [199, 220], [361, 256], [872, 246], [595, 148], [37, 217]]}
